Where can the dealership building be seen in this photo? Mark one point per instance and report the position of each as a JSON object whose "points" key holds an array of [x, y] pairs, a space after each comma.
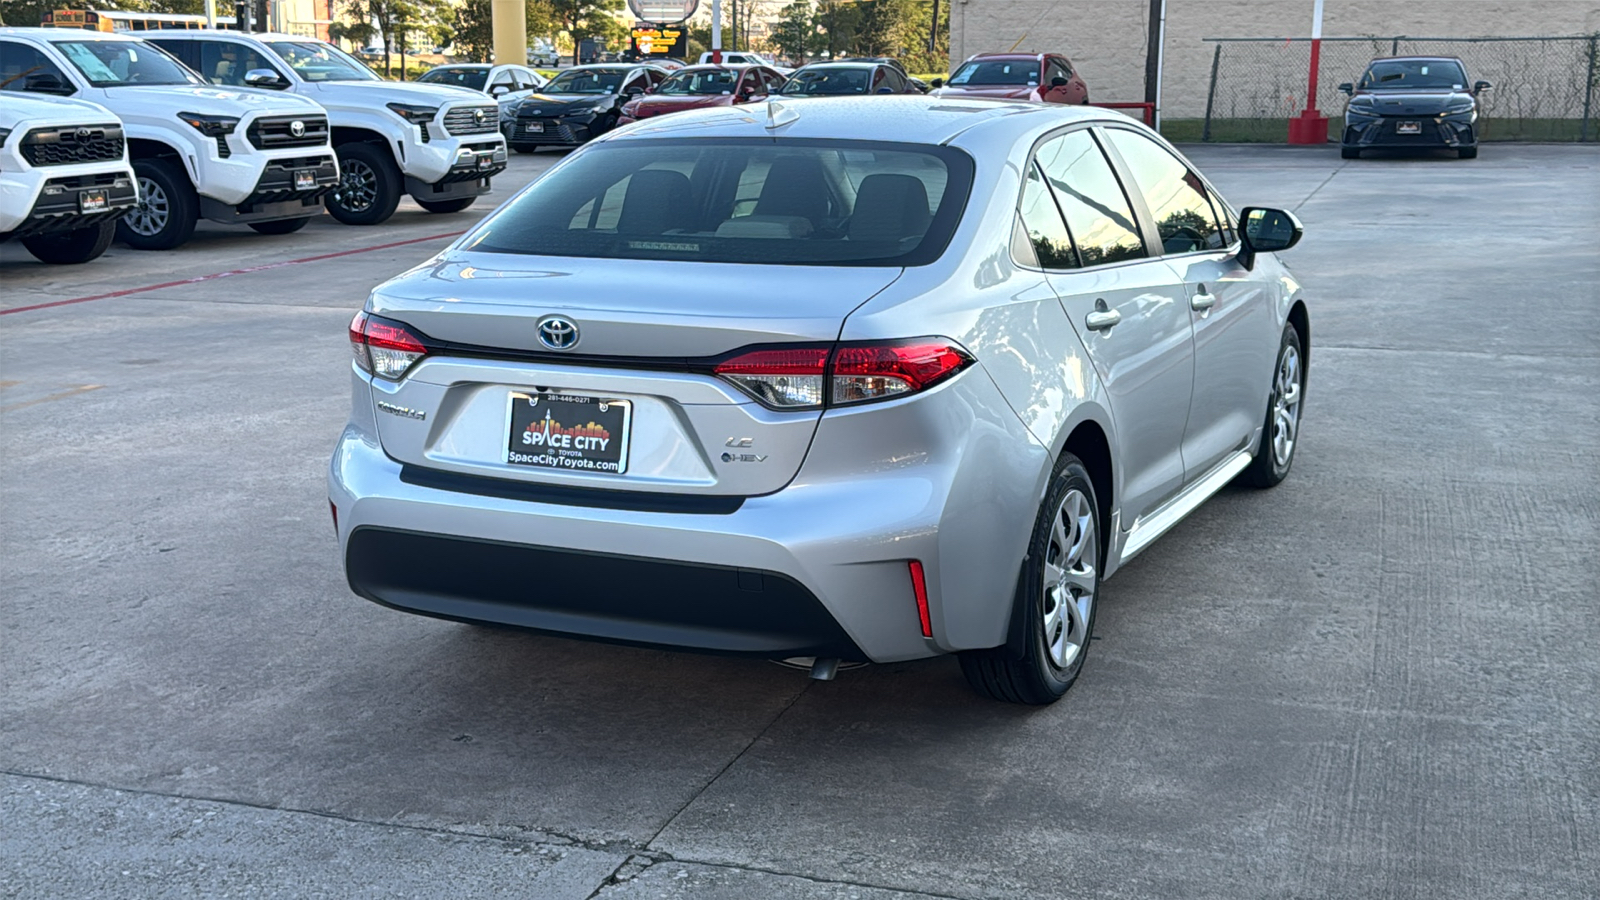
{"points": [[1106, 41]]}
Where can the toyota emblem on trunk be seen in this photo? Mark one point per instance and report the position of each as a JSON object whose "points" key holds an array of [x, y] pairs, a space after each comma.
{"points": [[297, 128], [558, 333]]}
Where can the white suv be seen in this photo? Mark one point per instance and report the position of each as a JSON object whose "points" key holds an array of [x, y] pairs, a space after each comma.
{"points": [[245, 157], [439, 144], [64, 177]]}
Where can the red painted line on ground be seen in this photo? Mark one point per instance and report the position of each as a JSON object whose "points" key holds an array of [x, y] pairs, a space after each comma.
{"points": [[215, 275]]}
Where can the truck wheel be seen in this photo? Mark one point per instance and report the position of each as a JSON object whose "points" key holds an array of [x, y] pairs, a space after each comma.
{"points": [[369, 185], [77, 246], [168, 207], [447, 206], [281, 226]]}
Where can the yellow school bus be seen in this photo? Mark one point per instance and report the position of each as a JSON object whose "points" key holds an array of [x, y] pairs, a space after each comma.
{"points": [[121, 21]]}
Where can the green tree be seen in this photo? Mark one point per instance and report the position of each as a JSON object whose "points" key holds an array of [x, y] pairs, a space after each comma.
{"points": [[585, 18], [795, 33]]}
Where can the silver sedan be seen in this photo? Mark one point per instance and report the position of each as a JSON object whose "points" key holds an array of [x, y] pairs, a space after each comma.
{"points": [[793, 382]]}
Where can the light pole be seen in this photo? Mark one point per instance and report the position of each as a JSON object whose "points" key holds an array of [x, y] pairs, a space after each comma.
{"points": [[509, 22], [716, 31]]}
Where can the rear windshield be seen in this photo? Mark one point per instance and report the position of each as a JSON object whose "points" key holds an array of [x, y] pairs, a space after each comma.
{"points": [[727, 200], [1401, 75]]}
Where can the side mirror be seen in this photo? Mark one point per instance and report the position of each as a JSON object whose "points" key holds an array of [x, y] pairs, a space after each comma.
{"points": [[1347, 88], [261, 78], [1481, 86], [48, 84], [938, 82], [1058, 82], [496, 90], [1265, 230]]}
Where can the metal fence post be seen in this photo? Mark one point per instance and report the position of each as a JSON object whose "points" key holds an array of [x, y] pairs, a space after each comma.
{"points": [[1394, 48], [1588, 88], [1211, 92]]}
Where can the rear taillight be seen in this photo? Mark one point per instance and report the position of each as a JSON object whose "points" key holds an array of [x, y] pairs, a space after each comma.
{"points": [[812, 376], [384, 348]]}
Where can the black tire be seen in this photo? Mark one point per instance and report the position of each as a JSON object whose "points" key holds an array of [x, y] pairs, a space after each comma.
{"points": [[1467, 153], [77, 246], [1349, 152], [281, 226], [369, 185], [1270, 465], [1040, 676], [606, 124], [447, 206], [168, 207]]}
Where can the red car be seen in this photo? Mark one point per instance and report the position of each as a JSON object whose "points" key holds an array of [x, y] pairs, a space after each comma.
{"points": [[697, 87], [1041, 77]]}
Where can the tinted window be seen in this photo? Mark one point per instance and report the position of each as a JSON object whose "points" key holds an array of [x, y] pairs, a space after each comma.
{"points": [[22, 68], [226, 63], [587, 81], [787, 202], [1175, 196], [471, 79], [1407, 74], [1041, 220], [825, 80], [1097, 213]]}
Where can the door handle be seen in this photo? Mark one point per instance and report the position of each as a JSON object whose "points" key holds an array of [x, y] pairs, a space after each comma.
{"points": [[1202, 301], [1102, 318]]}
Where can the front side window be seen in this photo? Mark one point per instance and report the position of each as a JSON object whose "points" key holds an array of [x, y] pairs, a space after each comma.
{"points": [[471, 79], [1175, 195], [23, 68], [227, 63], [1098, 214], [587, 81], [316, 61], [119, 63], [1411, 74], [729, 200], [1041, 221], [1001, 72]]}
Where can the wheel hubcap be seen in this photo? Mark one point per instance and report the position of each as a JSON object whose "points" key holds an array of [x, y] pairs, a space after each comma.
{"points": [[153, 211], [358, 185], [1070, 570], [1286, 406]]}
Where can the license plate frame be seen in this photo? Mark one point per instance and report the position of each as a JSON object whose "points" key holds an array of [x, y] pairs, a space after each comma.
{"points": [[485, 161], [572, 423], [305, 179], [1408, 128], [93, 201]]}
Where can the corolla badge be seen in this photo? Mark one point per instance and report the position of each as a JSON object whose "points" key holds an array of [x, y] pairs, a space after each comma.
{"points": [[558, 333]]}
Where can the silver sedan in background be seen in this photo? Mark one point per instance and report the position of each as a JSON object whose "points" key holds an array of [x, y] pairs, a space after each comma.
{"points": [[787, 381]]}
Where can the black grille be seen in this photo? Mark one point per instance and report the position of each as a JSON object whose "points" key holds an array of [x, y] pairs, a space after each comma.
{"points": [[278, 131], [72, 144], [465, 120]]}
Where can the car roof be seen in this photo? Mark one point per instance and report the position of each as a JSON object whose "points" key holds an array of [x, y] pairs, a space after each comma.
{"points": [[841, 64], [909, 118]]}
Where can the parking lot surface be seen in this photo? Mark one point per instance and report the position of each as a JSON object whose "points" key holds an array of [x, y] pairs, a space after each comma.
{"points": [[1377, 680]]}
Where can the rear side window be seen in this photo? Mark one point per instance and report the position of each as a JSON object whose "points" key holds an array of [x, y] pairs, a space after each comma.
{"points": [[1176, 197], [1097, 212], [784, 202], [1041, 221]]}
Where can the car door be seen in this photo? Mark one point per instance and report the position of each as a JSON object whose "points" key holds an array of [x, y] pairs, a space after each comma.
{"points": [[1235, 330], [1128, 308]]}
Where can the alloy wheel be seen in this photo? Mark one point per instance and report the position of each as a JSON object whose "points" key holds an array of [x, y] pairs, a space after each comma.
{"points": [[1286, 406], [1070, 571], [153, 211], [358, 185]]}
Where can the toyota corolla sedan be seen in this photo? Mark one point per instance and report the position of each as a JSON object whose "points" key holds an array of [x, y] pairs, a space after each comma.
{"points": [[1037, 77], [1412, 101], [698, 87], [997, 350]]}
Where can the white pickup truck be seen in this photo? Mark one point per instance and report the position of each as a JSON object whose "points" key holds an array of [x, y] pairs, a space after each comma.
{"points": [[64, 176], [439, 144], [246, 157]]}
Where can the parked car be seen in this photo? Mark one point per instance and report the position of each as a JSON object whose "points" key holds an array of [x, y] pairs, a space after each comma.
{"points": [[232, 156], [1412, 101], [825, 79], [976, 381], [499, 82], [591, 51], [64, 174], [441, 145], [697, 87], [543, 53], [580, 103], [1040, 77], [744, 58]]}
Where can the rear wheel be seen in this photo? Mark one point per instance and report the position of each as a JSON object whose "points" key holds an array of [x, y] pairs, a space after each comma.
{"points": [[369, 185], [1055, 599], [447, 206], [1281, 433], [77, 246], [1468, 153], [1349, 152], [168, 207], [281, 226]]}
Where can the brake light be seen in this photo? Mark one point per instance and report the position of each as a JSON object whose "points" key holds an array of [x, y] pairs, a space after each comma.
{"points": [[814, 376], [384, 348]]}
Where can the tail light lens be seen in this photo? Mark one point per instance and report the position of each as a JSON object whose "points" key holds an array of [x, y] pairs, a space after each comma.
{"points": [[812, 377], [384, 348]]}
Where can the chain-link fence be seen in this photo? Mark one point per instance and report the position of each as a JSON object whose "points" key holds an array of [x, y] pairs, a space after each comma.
{"points": [[1545, 88]]}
